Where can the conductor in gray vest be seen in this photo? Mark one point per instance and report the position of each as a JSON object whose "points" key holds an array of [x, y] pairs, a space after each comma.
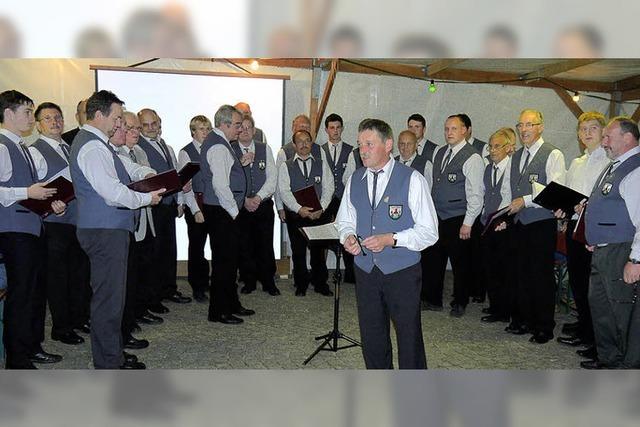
{"points": [[534, 230], [613, 231], [385, 219], [105, 222]]}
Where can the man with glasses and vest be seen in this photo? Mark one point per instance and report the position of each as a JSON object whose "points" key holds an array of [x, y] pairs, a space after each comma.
{"points": [[613, 232], [534, 230], [224, 195], [385, 219]]}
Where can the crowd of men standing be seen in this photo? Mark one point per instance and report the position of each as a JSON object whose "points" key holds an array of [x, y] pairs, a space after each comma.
{"points": [[106, 261]]}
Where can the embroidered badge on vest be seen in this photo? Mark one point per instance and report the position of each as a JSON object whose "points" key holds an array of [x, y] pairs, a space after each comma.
{"points": [[533, 177], [395, 211], [606, 188], [318, 179], [452, 177], [344, 166], [262, 165]]}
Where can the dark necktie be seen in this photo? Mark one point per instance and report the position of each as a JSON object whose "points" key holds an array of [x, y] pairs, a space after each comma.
{"points": [[165, 151], [526, 161], [446, 160], [251, 194], [65, 150], [132, 155], [608, 171], [495, 175], [304, 168], [375, 187], [30, 162], [335, 154]]}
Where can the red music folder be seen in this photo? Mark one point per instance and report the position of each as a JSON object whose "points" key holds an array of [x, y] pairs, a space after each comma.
{"points": [[43, 207], [168, 179], [188, 171], [496, 218], [307, 197]]}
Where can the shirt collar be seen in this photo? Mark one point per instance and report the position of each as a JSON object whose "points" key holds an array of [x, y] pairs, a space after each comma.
{"points": [[536, 146], [410, 159], [502, 164], [387, 168], [97, 132], [12, 136], [337, 144], [296, 157], [628, 154], [52, 142], [251, 146], [220, 133], [459, 146]]}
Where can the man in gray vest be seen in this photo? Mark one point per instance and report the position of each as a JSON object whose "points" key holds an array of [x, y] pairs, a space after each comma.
{"points": [[337, 153], [495, 254], [197, 264], [106, 219], [479, 145], [245, 109], [303, 170], [457, 196], [162, 158], [385, 219], [408, 148], [257, 259], [67, 266], [534, 230], [20, 236], [224, 194], [417, 124], [613, 231]]}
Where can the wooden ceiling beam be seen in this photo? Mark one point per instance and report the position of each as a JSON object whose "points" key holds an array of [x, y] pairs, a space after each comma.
{"points": [[630, 95], [636, 115], [435, 68], [558, 68], [325, 97], [569, 102], [630, 83]]}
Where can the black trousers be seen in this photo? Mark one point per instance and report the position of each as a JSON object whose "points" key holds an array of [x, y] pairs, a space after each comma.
{"points": [[224, 238], [478, 282], [23, 257], [142, 275], [108, 252], [579, 267], [67, 278], [164, 220], [197, 264], [395, 297], [257, 259], [536, 286], [299, 244], [496, 261], [434, 263], [331, 212]]}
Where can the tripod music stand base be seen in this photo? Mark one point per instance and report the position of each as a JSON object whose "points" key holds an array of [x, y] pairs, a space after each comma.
{"points": [[328, 338]]}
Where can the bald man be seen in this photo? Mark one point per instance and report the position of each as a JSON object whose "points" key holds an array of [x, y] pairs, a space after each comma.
{"points": [[245, 109]]}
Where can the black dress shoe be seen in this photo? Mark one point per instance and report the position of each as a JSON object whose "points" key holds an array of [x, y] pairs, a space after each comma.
{"points": [[44, 357], [324, 290], [492, 318], [516, 329], [136, 327], [573, 341], [149, 319], [133, 365], [457, 311], [158, 308], [247, 289], [70, 338], [569, 328], [541, 338], [300, 292], [486, 310], [178, 298], [593, 364], [200, 297], [244, 312], [84, 328], [227, 319], [588, 353], [479, 300], [430, 307], [135, 344], [129, 358], [273, 291]]}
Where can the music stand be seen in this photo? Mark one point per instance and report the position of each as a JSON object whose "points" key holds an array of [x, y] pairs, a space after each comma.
{"points": [[330, 339]]}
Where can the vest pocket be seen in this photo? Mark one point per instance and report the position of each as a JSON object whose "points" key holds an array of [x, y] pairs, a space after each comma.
{"points": [[607, 224], [453, 201], [22, 211]]}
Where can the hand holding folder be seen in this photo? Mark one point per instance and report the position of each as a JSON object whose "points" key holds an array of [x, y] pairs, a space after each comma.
{"points": [[557, 196], [43, 208], [497, 218], [168, 180], [307, 197]]}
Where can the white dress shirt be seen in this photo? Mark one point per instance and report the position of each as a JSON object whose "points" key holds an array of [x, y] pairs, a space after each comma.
{"points": [[221, 161], [95, 161], [271, 182], [424, 232], [504, 172], [473, 170], [183, 159], [41, 163], [585, 170], [146, 215], [10, 195], [284, 184], [629, 191], [555, 168]]}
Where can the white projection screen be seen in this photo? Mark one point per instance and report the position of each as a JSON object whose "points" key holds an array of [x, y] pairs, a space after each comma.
{"points": [[177, 97]]}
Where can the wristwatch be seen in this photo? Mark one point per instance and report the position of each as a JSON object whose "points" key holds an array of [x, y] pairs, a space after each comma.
{"points": [[395, 240], [631, 260]]}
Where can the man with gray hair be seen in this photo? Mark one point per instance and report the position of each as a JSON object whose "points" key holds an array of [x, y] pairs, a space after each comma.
{"points": [[245, 109], [224, 194]]}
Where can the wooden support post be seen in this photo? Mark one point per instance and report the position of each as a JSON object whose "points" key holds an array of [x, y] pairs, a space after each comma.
{"points": [[614, 105], [569, 102]]}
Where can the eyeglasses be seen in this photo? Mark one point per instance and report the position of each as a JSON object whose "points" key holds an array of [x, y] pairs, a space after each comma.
{"points": [[497, 147], [527, 126], [51, 119], [132, 128]]}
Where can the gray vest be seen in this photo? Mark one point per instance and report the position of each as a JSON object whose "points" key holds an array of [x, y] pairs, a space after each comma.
{"points": [[55, 164], [16, 218], [93, 211], [159, 164], [478, 145], [492, 195], [197, 182], [429, 149], [418, 163], [607, 218], [521, 183], [297, 179], [256, 172], [356, 157], [237, 180], [448, 192], [338, 167], [392, 214]]}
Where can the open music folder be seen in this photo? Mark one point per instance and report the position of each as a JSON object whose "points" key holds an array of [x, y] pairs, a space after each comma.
{"points": [[43, 207]]}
